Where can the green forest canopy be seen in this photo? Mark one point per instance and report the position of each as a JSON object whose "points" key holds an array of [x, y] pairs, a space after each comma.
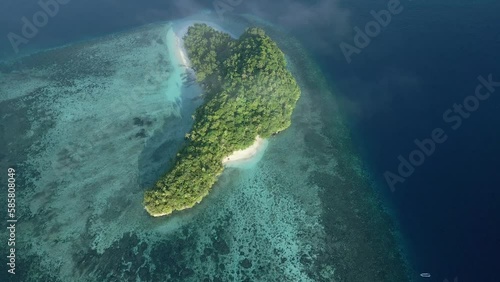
{"points": [[248, 92]]}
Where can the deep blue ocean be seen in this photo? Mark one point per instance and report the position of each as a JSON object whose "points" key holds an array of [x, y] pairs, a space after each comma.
{"points": [[428, 59], [395, 90]]}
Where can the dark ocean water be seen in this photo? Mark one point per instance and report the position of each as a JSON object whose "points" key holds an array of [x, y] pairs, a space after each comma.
{"points": [[397, 90], [394, 91]]}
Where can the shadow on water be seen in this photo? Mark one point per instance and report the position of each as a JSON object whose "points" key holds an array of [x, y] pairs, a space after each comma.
{"points": [[160, 149]]}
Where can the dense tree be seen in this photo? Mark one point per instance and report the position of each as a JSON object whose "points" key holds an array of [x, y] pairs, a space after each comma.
{"points": [[248, 92]]}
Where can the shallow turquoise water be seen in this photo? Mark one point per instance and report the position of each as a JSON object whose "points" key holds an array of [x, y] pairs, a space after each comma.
{"points": [[99, 121]]}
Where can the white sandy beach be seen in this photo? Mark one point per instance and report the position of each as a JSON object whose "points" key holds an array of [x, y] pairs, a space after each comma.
{"points": [[181, 52], [181, 30], [247, 153], [156, 214]]}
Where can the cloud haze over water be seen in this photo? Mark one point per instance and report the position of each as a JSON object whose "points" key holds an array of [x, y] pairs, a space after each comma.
{"points": [[325, 20], [299, 14]]}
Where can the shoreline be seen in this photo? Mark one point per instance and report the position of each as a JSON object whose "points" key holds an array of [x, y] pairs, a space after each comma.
{"points": [[245, 154], [237, 156], [181, 52], [181, 30], [156, 214]]}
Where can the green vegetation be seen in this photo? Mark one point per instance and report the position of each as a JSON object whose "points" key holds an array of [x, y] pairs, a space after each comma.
{"points": [[248, 92]]}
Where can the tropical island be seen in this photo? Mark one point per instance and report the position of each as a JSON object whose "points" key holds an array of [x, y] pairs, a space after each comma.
{"points": [[249, 95]]}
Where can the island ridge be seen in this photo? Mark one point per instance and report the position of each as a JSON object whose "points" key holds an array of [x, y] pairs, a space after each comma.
{"points": [[249, 94]]}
